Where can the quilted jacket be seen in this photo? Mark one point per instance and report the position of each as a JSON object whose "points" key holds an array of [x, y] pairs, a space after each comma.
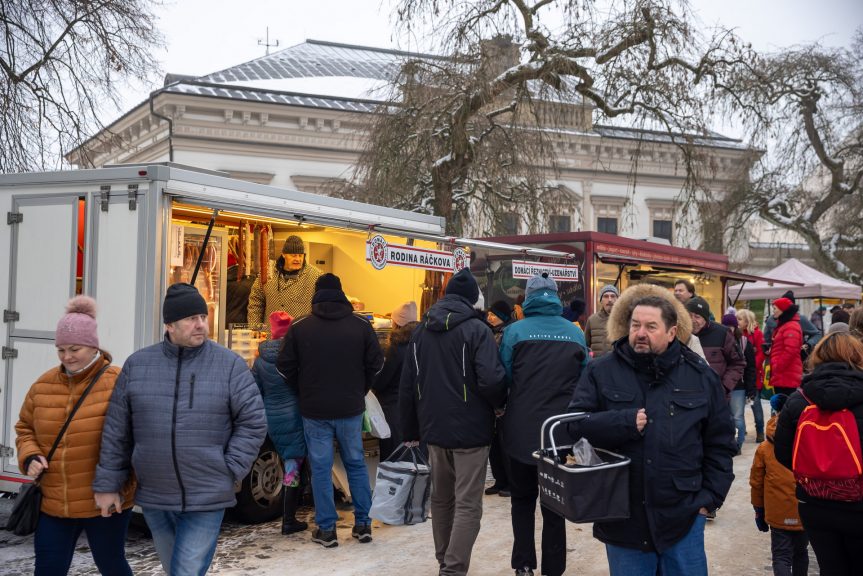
{"points": [[66, 485]]}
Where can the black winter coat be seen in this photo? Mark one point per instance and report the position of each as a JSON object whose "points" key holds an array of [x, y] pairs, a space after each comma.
{"points": [[682, 460], [452, 378], [332, 357], [747, 383], [832, 386]]}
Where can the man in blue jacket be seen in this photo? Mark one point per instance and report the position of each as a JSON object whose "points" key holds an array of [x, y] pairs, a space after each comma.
{"points": [[657, 402], [186, 414], [451, 383], [543, 356]]}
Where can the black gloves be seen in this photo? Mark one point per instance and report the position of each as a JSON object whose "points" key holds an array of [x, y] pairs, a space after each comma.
{"points": [[759, 519]]}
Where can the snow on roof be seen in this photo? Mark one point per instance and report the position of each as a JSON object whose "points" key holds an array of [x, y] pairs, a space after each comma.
{"points": [[354, 78]]}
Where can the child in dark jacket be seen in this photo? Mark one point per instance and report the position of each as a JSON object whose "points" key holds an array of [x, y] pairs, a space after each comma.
{"points": [[775, 503], [285, 426]]}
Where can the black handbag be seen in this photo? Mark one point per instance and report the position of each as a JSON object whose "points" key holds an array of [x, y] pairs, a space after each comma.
{"points": [[25, 512]]}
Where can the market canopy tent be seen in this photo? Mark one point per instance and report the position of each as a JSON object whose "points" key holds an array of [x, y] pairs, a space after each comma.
{"points": [[815, 284]]}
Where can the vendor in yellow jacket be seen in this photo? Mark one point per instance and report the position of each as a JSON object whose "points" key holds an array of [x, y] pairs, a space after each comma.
{"points": [[68, 504], [775, 502]]}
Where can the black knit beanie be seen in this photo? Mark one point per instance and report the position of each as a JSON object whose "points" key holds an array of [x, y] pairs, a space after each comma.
{"points": [[502, 310], [464, 284], [328, 282], [181, 301], [790, 295], [698, 305]]}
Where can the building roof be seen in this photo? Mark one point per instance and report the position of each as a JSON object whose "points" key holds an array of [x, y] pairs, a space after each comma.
{"points": [[349, 78]]}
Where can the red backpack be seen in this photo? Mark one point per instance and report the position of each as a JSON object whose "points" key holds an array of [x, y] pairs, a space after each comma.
{"points": [[827, 459]]}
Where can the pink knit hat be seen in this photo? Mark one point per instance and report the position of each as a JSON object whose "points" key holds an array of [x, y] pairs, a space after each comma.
{"points": [[404, 314], [78, 325], [279, 323]]}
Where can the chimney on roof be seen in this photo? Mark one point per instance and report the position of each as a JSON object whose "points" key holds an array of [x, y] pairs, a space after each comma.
{"points": [[498, 54]]}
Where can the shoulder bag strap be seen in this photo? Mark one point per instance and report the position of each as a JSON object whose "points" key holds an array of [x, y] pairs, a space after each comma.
{"points": [[75, 409]]}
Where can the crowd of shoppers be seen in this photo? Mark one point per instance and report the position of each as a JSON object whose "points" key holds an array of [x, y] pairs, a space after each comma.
{"points": [[473, 386]]}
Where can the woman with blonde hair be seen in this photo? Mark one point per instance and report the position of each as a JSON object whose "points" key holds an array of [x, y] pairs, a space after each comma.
{"points": [[749, 327], [855, 324], [66, 475], [834, 525]]}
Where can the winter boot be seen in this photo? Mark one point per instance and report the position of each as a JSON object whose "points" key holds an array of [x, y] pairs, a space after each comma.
{"points": [[290, 498]]}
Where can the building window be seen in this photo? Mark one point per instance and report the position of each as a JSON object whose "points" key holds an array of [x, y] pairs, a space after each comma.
{"points": [[607, 210], [661, 218], [508, 225], [607, 225], [560, 223], [662, 229]]}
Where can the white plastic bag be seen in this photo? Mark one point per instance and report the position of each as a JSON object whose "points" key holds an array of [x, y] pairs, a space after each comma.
{"points": [[377, 421], [583, 454]]}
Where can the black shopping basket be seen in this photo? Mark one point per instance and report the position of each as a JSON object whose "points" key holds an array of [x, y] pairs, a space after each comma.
{"points": [[581, 493]]}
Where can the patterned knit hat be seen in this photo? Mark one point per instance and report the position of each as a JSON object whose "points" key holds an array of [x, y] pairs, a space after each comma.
{"points": [[78, 325], [293, 245]]}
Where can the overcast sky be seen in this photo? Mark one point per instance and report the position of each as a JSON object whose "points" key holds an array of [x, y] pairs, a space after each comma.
{"points": [[208, 35]]}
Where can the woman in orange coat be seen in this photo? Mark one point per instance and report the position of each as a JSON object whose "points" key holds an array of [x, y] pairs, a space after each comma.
{"points": [[68, 504]]}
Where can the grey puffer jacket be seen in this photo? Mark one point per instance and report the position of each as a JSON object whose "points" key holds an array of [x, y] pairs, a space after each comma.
{"points": [[189, 421]]}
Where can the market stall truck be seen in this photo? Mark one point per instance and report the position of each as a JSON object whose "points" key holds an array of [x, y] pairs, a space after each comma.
{"points": [[108, 233]]}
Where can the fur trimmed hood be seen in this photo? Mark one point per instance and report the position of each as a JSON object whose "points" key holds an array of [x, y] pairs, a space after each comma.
{"points": [[618, 321]]}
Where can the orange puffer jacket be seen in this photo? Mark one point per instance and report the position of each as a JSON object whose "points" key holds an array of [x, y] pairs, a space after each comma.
{"points": [[67, 484], [773, 485]]}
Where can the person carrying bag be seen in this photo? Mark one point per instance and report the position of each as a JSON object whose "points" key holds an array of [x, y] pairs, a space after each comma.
{"points": [[402, 488], [59, 434]]}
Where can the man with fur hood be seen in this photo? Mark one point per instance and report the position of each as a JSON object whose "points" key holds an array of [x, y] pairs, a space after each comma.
{"points": [[618, 321], [655, 401]]}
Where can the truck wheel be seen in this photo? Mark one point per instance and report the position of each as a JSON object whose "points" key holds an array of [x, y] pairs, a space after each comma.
{"points": [[260, 496]]}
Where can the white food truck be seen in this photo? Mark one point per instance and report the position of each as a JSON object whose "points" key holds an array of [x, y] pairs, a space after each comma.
{"points": [[123, 234]]}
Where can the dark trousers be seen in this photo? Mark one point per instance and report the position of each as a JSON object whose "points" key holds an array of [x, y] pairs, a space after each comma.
{"points": [[498, 459], [56, 538], [790, 551], [524, 490], [836, 537]]}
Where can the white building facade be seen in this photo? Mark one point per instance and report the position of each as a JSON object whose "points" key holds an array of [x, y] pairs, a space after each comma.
{"points": [[297, 118]]}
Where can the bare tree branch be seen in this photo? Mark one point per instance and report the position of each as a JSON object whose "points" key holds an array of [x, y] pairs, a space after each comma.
{"points": [[61, 65]]}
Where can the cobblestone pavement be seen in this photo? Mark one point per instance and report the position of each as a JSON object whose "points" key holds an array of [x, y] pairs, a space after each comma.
{"points": [[734, 545]]}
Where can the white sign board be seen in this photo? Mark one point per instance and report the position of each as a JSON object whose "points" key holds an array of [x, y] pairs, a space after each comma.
{"points": [[176, 246], [380, 253], [560, 272]]}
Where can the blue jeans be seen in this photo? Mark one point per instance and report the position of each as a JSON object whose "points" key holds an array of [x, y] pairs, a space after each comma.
{"points": [[758, 414], [56, 538], [184, 541], [319, 443], [737, 405], [686, 558]]}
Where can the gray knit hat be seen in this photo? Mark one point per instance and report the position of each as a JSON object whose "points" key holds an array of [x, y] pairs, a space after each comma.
{"points": [[538, 283], [609, 288], [294, 245]]}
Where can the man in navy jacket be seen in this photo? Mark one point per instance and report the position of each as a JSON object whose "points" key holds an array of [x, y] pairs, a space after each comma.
{"points": [[657, 402]]}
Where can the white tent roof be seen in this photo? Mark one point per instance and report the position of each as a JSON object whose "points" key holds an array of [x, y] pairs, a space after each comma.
{"points": [[816, 284]]}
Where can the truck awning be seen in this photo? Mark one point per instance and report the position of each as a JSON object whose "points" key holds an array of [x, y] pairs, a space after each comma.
{"points": [[671, 267]]}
